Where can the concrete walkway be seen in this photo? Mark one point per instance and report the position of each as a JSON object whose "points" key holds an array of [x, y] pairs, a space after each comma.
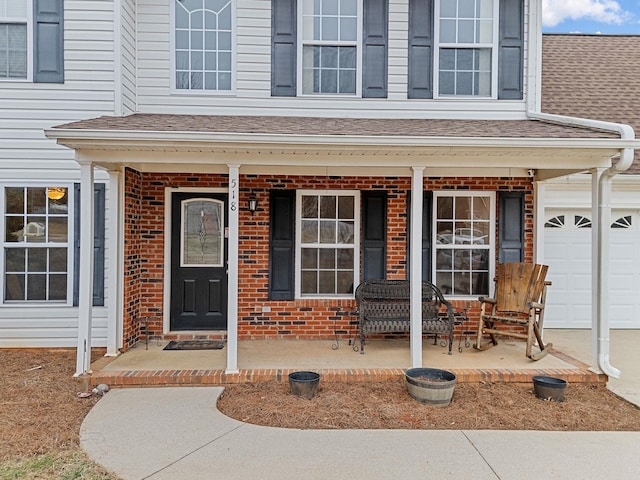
{"points": [[178, 433]]}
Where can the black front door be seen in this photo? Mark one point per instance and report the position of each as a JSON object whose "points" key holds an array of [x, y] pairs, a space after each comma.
{"points": [[198, 261]]}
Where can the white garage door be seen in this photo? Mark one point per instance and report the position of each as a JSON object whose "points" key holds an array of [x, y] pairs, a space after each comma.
{"points": [[567, 250]]}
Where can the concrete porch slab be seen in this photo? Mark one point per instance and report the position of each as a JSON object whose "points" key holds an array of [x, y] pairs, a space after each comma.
{"points": [[273, 360]]}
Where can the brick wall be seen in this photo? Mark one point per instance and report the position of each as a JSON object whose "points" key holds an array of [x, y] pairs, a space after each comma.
{"points": [[257, 316]]}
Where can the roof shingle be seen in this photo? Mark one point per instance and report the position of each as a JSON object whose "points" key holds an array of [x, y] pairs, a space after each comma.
{"points": [[593, 76]]}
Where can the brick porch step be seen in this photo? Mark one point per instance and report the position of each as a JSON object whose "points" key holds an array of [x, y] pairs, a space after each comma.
{"points": [[156, 378]]}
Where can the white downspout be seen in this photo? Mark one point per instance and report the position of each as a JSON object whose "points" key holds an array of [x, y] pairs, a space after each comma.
{"points": [[601, 191], [601, 267]]}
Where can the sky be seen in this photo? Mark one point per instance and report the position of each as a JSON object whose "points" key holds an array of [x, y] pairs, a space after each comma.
{"points": [[591, 16]]}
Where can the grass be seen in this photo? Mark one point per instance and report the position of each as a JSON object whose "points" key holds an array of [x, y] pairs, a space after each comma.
{"points": [[68, 465]]}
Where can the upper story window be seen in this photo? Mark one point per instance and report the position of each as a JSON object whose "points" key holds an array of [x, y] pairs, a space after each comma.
{"points": [[466, 33], [203, 45], [464, 242], [14, 44], [329, 51], [327, 248]]}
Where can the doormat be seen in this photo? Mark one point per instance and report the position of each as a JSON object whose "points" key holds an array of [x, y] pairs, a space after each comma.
{"points": [[194, 345]]}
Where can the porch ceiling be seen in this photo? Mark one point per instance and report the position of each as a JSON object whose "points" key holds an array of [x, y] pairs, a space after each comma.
{"points": [[339, 146]]}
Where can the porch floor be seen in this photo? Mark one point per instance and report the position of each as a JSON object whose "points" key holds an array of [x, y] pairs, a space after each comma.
{"points": [[273, 360]]}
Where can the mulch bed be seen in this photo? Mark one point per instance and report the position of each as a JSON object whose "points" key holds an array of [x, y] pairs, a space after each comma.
{"points": [[40, 411], [505, 406]]}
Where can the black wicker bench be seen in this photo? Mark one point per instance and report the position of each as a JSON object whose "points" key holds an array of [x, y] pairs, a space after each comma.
{"points": [[384, 307]]}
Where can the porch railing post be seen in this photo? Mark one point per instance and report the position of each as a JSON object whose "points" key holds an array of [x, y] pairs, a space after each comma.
{"points": [[416, 267]]}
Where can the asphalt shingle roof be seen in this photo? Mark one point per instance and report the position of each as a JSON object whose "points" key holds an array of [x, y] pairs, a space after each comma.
{"points": [[337, 126], [593, 76]]}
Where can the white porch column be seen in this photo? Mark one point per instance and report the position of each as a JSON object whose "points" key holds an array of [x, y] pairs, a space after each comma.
{"points": [[85, 303], [416, 266], [114, 273], [232, 269]]}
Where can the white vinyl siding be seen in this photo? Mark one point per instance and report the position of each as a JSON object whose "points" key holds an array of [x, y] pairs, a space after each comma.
{"points": [[252, 94], [128, 56], [27, 156]]}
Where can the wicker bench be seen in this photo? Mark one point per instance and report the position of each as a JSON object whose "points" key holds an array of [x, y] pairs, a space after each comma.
{"points": [[384, 307]]}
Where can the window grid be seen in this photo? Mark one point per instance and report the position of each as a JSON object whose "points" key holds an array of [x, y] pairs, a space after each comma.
{"points": [[330, 34], [466, 53], [36, 244], [327, 243], [14, 43], [203, 44], [464, 241]]}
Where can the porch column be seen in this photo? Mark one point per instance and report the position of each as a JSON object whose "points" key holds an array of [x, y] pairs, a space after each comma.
{"points": [[232, 269], [85, 301], [114, 273], [416, 267]]}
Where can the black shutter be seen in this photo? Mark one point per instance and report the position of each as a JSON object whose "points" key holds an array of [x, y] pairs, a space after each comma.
{"points": [[427, 229], [281, 244], [510, 49], [374, 235], [420, 49], [511, 227], [98, 244], [375, 39], [283, 48], [48, 41]]}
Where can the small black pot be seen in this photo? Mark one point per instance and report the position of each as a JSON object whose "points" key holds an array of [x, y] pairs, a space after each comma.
{"points": [[549, 388]]}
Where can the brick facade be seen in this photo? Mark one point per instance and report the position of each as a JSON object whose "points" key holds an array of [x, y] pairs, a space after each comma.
{"points": [[258, 317]]}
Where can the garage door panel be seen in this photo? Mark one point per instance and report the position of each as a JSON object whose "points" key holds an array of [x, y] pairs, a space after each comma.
{"points": [[622, 283], [568, 254], [581, 283]]}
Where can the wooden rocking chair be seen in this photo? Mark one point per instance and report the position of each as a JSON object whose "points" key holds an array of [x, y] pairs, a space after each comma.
{"points": [[518, 300]]}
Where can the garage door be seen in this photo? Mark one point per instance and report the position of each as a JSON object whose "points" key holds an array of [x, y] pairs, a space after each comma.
{"points": [[567, 250]]}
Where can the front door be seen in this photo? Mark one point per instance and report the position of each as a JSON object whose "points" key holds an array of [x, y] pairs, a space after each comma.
{"points": [[198, 261]]}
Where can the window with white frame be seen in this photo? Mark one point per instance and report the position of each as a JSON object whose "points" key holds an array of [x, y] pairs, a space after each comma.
{"points": [[203, 45], [36, 253], [327, 256], [464, 242], [466, 53], [330, 38], [14, 15]]}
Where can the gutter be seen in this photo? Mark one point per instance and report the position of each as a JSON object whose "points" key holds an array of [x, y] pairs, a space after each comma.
{"points": [[601, 270]]}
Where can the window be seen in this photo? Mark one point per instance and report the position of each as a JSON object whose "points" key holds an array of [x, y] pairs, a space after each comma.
{"points": [[464, 243], [466, 57], [203, 45], [14, 45], [36, 244], [329, 50], [622, 222], [327, 256]]}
